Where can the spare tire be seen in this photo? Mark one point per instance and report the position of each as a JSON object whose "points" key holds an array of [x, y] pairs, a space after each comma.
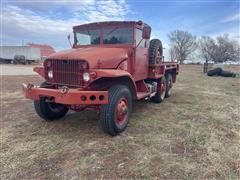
{"points": [[214, 72], [155, 51]]}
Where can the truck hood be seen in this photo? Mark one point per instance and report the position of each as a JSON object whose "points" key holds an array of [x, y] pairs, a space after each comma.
{"points": [[97, 57]]}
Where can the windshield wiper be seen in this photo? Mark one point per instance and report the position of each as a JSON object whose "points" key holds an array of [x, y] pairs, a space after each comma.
{"points": [[112, 31]]}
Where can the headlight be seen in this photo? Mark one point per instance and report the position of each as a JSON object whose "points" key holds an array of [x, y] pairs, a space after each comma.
{"points": [[86, 76], [50, 74]]}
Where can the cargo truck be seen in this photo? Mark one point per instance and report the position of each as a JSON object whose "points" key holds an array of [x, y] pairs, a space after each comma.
{"points": [[110, 65]]}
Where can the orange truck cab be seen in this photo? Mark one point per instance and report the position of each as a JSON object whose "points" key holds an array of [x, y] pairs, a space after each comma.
{"points": [[109, 65]]}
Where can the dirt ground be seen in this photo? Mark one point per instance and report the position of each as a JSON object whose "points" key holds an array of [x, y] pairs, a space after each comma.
{"points": [[193, 134]]}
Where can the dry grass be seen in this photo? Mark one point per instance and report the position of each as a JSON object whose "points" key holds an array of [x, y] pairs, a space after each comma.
{"points": [[193, 134]]}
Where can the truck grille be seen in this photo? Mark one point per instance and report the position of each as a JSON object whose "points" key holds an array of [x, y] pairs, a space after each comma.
{"points": [[66, 72]]}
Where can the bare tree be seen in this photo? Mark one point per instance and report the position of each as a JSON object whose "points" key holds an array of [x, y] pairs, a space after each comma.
{"points": [[207, 47], [182, 44], [173, 53], [221, 49]]}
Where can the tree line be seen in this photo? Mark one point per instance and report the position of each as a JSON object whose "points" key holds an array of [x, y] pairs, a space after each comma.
{"points": [[219, 49]]}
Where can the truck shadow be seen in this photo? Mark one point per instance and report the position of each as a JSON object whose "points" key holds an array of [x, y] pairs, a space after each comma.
{"points": [[86, 122]]}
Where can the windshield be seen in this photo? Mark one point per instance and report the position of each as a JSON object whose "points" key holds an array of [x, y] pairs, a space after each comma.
{"points": [[87, 37], [110, 35], [117, 35]]}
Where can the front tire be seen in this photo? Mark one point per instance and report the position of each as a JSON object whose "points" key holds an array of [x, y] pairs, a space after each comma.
{"points": [[49, 111], [115, 115]]}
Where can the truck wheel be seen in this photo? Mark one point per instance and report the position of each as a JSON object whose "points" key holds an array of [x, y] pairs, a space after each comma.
{"points": [[115, 115], [168, 85], [49, 111], [155, 51], [160, 95]]}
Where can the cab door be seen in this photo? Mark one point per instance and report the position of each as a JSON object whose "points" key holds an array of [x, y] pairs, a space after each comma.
{"points": [[141, 57]]}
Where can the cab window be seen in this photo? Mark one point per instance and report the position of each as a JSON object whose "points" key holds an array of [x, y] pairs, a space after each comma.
{"points": [[117, 35], [139, 38], [87, 37]]}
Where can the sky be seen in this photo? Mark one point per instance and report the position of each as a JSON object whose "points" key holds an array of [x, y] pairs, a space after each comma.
{"points": [[49, 22]]}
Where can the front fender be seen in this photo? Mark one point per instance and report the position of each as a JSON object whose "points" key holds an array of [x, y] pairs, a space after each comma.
{"points": [[112, 73], [119, 75], [40, 70]]}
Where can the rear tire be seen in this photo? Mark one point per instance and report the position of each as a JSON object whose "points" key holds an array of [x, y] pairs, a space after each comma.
{"points": [[168, 85], [49, 111], [115, 115], [160, 95]]}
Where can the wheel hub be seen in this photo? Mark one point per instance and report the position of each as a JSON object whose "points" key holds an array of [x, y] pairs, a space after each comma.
{"points": [[122, 111]]}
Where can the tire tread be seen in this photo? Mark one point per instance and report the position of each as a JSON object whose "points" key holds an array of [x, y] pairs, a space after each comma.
{"points": [[107, 111]]}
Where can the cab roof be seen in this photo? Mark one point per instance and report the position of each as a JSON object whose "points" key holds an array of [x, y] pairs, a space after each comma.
{"points": [[109, 23]]}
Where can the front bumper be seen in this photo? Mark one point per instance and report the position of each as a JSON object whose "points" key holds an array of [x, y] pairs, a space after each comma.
{"points": [[66, 96]]}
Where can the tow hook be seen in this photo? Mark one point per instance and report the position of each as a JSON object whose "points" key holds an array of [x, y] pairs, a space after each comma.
{"points": [[27, 86], [64, 89]]}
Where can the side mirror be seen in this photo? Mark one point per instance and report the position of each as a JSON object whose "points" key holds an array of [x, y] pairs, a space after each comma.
{"points": [[69, 40], [146, 32]]}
